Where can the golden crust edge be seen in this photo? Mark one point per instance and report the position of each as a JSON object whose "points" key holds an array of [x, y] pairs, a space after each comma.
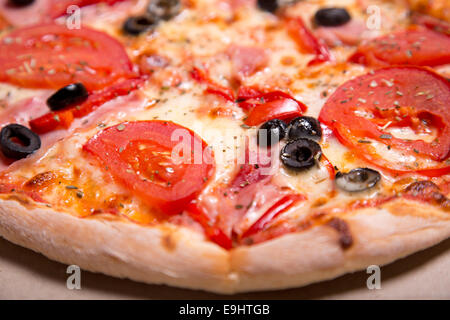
{"points": [[127, 250], [380, 236]]}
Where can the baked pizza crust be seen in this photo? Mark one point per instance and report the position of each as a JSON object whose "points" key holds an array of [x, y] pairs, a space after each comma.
{"points": [[178, 256]]}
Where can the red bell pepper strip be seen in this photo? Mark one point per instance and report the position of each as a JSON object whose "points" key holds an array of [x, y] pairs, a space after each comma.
{"points": [[274, 211], [261, 106], [212, 87], [98, 98], [226, 93], [52, 121], [330, 168], [262, 98], [245, 93], [212, 232], [285, 109], [307, 41], [63, 118], [272, 105], [198, 75]]}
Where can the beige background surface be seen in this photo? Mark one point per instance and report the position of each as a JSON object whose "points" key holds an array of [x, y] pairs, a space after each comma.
{"points": [[27, 275]]}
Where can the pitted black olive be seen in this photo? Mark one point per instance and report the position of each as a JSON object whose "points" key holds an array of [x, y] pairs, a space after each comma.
{"points": [[268, 5], [300, 154], [20, 3], [271, 132], [17, 141], [359, 179], [305, 127], [137, 25], [164, 9], [67, 96], [331, 17]]}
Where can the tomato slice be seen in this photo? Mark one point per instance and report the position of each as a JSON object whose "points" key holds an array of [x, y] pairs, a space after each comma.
{"points": [[307, 41], [417, 46], [276, 104], [52, 56], [409, 97], [139, 156]]}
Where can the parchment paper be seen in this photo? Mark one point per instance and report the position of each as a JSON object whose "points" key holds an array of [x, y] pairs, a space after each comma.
{"points": [[25, 274]]}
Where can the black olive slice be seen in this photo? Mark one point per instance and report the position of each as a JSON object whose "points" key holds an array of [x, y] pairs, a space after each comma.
{"points": [[359, 179], [17, 141], [305, 127], [164, 9], [268, 5], [67, 96], [271, 132], [20, 3], [331, 17], [300, 154], [137, 25]]}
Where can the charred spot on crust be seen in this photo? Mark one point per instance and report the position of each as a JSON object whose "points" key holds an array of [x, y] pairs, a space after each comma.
{"points": [[345, 236], [422, 187], [168, 242], [248, 241], [428, 191]]}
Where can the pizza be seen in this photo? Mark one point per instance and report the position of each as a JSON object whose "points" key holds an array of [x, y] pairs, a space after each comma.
{"points": [[225, 145]]}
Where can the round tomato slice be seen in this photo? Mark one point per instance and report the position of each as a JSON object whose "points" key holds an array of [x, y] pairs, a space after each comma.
{"points": [[52, 56], [377, 106], [418, 46], [144, 158]]}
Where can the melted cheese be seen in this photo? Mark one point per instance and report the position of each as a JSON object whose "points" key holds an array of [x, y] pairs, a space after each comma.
{"points": [[209, 28]]}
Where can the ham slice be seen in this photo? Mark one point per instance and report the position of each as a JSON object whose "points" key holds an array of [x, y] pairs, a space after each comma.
{"points": [[236, 206], [25, 16], [21, 112], [24, 110], [236, 4], [42, 11], [246, 60], [349, 33], [27, 109]]}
